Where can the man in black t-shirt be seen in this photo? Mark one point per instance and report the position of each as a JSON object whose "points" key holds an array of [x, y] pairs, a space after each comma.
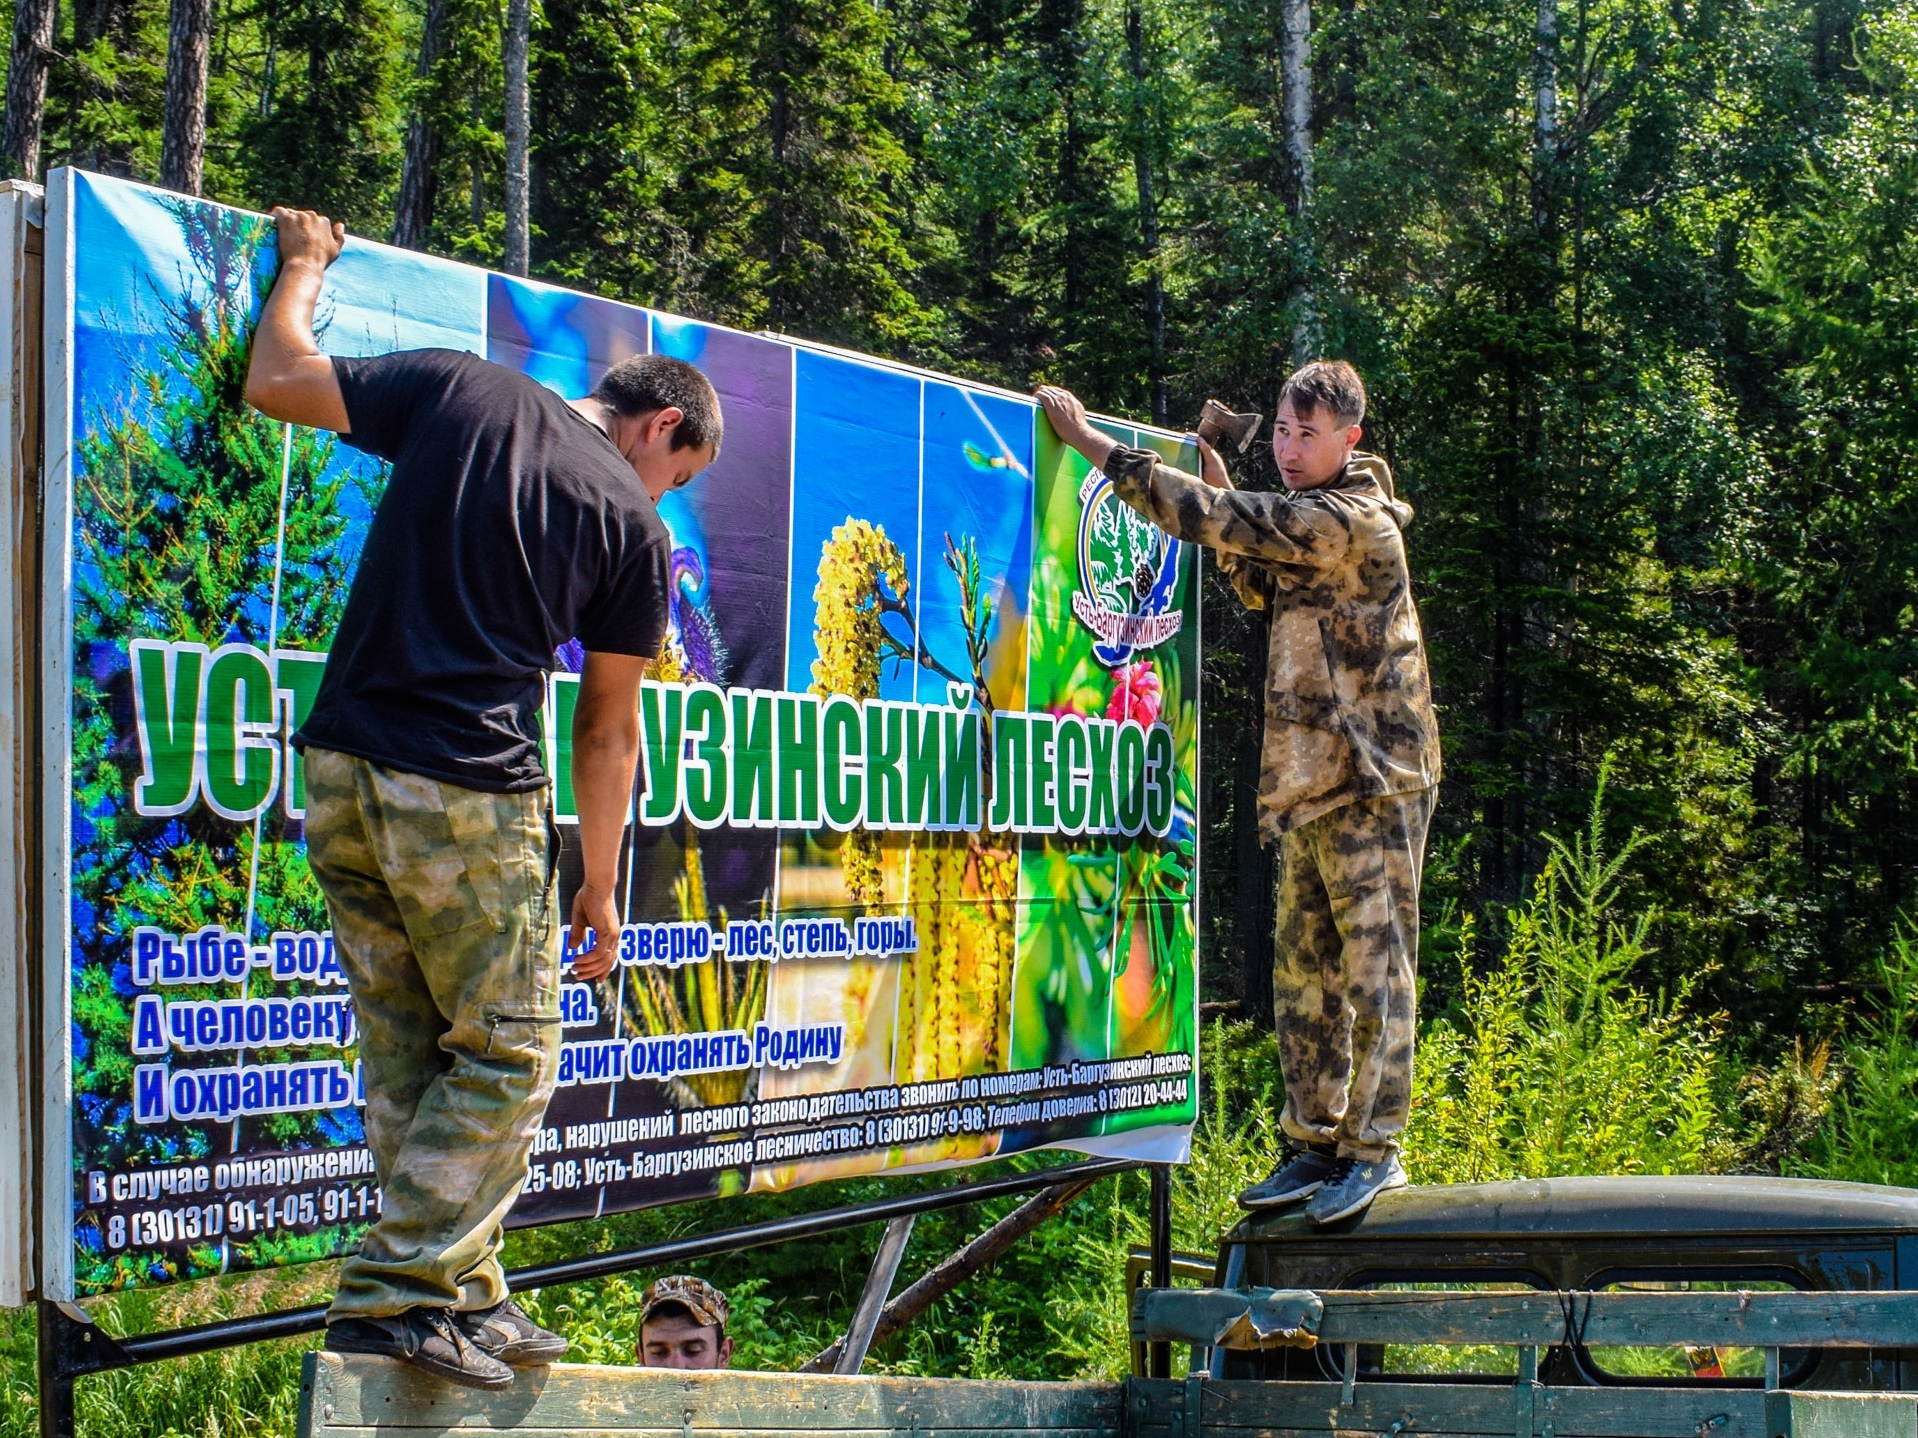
{"points": [[513, 521]]}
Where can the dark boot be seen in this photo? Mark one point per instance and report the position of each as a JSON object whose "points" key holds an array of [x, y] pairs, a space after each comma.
{"points": [[427, 1338], [506, 1333]]}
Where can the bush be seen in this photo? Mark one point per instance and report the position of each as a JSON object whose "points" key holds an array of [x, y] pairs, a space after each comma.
{"points": [[1871, 1132], [1554, 1063]]}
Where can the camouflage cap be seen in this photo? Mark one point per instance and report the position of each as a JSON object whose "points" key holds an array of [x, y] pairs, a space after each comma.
{"points": [[706, 1303]]}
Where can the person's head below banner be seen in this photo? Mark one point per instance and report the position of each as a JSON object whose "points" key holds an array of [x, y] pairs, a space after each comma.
{"points": [[1318, 424], [663, 416], [682, 1324]]}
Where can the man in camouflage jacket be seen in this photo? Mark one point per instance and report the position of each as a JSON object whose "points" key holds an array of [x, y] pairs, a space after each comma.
{"points": [[1350, 771]]}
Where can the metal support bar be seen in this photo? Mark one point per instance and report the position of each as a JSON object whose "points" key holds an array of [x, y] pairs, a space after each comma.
{"points": [[946, 1275], [865, 1317], [232, 1332], [1525, 1393], [71, 1343], [56, 1384], [1159, 1355]]}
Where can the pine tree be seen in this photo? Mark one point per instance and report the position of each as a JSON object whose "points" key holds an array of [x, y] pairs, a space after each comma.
{"points": [[183, 138], [32, 46], [328, 136], [177, 510], [1837, 561], [602, 71]]}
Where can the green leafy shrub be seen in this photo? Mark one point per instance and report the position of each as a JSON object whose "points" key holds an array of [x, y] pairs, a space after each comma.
{"points": [[1870, 1134], [1553, 1062]]}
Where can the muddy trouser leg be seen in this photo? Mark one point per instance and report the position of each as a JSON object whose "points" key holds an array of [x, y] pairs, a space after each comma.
{"points": [[442, 905], [397, 1024], [1370, 855], [1308, 1000]]}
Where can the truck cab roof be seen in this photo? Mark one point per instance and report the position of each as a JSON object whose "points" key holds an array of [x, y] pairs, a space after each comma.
{"points": [[1614, 1207]]}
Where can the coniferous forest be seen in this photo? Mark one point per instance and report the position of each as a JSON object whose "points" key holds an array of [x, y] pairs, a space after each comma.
{"points": [[1634, 284]]}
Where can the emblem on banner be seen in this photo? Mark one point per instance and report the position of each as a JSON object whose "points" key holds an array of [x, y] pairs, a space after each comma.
{"points": [[1128, 568]]}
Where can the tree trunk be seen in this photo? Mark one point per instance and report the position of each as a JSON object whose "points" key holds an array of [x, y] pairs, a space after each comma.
{"points": [[27, 86], [183, 136], [1295, 75], [1545, 118], [1148, 211], [420, 174], [1061, 51], [518, 39]]}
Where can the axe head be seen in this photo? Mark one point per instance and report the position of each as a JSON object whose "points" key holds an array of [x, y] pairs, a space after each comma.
{"points": [[1222, 429]]}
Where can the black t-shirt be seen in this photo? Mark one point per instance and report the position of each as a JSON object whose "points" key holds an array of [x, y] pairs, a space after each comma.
{"points": [[509, 525]]}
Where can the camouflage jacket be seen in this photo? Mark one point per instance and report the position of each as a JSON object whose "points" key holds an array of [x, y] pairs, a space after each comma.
{"points": [[1348, 701]]}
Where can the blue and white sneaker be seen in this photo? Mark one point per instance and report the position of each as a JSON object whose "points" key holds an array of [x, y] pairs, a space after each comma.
{"points": [[1297, 1179], [1352, 1185]]}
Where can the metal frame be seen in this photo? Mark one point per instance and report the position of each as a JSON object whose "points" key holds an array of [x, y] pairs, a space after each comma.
{"points": [[71, 1345], [1345, 1319]]}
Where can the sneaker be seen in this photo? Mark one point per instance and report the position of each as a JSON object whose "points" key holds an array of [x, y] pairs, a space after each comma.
{"points": [[1298, 1178], [1352, 1185], [506, 1333], [427, 1338]]}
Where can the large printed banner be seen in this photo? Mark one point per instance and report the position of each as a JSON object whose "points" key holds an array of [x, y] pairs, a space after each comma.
{"points": [[909, 876]]}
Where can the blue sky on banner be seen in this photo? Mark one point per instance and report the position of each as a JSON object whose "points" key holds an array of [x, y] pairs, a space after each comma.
{"points": [[131, 266], [132, 269], [923, 459]]}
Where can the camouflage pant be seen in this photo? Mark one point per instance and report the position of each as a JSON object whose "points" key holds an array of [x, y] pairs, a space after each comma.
{"points": [[1345, 970], [442, 901]]}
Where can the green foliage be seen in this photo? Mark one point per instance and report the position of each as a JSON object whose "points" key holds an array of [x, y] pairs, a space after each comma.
{"points": [[1871, 1133], [251, 1391], [1554, 1063], [327, 134], [1835, 287], [1648, 379]]}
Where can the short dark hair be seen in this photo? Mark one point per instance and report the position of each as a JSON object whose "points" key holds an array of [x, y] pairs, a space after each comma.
{"points": [[645, 383], [1329, 385]]}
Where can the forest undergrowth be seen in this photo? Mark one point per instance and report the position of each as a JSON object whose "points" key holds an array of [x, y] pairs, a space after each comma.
{"points": [[1548, 1055]]}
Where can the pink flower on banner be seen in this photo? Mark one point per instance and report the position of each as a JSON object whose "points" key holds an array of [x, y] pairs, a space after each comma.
{"points": [[1135, 694]]}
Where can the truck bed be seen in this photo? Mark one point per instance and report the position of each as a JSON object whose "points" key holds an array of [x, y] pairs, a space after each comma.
{"points": [[346, 1396]]}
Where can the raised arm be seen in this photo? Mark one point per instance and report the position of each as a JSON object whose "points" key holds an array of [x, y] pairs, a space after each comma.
{"points": [[605, 754], [288, 378], [1207, 511]]}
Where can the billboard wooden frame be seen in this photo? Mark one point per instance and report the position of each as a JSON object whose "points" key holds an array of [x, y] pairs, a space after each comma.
{"points": [[56, 779], [21, 211]]}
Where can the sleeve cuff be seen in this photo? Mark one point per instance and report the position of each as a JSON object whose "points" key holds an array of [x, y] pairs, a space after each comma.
{"points": [[1130, 470]]}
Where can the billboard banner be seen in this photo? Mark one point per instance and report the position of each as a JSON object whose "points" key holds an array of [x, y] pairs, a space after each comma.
{"points": [[908, 880]]}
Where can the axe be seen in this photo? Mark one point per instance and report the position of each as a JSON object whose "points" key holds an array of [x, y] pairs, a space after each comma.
{"points": [[1222, 429]]}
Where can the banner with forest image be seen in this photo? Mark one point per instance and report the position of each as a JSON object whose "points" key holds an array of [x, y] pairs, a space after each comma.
{"points": [[909, 879]]}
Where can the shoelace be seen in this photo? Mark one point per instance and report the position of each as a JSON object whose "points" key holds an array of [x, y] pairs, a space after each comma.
{"points": [[441, 1322], [1341, 1170]]}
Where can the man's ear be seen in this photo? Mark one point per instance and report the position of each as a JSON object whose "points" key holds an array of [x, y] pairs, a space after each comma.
{"points": [[662, 423], [725, 1352], [1353, 436]]}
